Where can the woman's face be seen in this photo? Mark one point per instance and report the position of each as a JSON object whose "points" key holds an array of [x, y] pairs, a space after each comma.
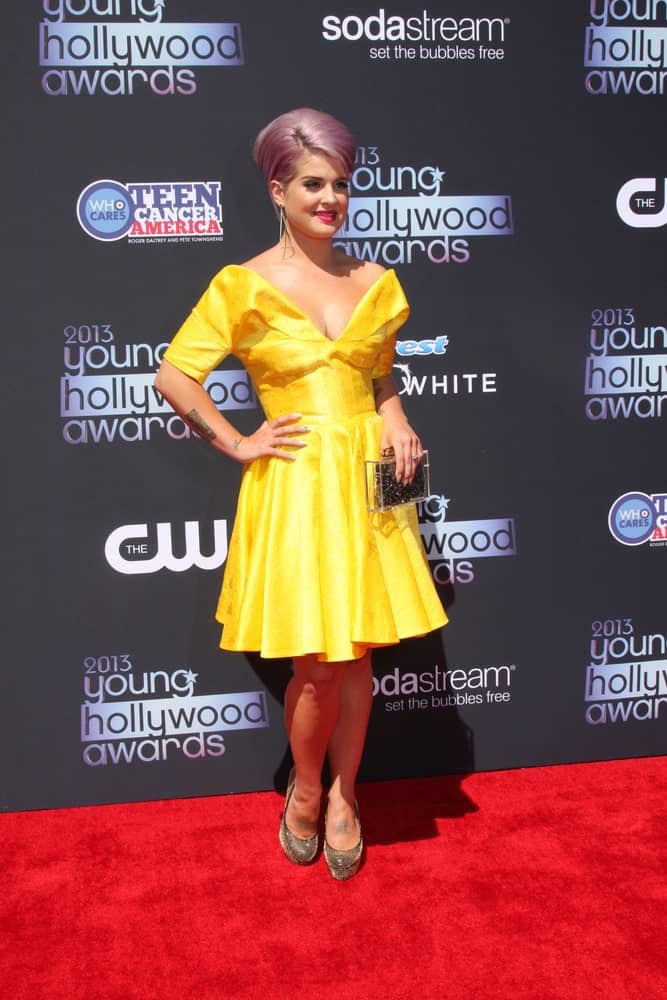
{"points": [[316, 198]]}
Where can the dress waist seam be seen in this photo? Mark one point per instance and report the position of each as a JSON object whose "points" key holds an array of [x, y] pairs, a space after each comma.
{"points": [[333, 418]]}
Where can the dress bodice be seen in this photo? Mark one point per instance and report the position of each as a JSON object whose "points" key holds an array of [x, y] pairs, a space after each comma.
{"points": [[293, 365]]}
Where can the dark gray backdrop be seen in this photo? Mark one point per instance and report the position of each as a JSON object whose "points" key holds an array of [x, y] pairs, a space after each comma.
{"points": [[522, 126]]}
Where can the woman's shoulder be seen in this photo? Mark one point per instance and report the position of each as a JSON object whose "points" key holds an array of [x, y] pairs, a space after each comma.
{"points": [[367, 269], [384, 281], [232, 269], [365, 273], [272, 267], [238, 279], [264, 263]]}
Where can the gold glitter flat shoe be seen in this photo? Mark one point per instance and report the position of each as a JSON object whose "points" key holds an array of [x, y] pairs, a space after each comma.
{"points": [[344, 864], [298, 850]]}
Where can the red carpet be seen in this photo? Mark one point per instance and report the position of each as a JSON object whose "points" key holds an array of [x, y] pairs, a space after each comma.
{"points": [[547, 884]]}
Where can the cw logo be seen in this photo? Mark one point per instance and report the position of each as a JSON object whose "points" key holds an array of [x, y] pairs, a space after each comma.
{"points": [[127, 551], [640, 193]]}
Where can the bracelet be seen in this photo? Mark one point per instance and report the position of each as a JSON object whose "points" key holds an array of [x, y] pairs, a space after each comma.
{"points": [[236, 442]]}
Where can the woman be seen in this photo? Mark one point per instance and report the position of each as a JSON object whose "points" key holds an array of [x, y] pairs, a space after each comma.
{"points": [[310, 573]]}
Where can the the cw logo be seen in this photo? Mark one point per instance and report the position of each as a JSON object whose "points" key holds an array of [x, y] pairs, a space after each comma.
{"points": [[639, 193], [129, 541]]}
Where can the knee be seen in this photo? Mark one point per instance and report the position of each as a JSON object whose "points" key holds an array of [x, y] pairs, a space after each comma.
{"points": [[318, 680]]}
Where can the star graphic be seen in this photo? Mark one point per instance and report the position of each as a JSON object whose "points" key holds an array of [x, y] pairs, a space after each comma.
{"points": [[438, 176], [443, 504], [191, 678]]}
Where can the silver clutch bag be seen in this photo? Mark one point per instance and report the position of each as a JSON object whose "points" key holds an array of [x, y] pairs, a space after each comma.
{"points": [[383, 491]]}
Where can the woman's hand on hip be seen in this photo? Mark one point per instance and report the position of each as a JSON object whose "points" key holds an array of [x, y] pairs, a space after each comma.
{"points": [[271, 438]]}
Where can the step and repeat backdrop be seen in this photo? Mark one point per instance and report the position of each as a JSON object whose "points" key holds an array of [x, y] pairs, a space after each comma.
{"points": [[511, 166]]}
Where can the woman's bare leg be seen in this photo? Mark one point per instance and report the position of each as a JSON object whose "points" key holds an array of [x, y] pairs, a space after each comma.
{"points": [[312, 705], [345, 748]]}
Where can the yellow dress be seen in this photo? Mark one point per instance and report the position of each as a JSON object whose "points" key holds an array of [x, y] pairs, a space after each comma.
{"points": [[309, 570]]}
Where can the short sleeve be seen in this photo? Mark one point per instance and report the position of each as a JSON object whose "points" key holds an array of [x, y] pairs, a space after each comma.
{"points": [[398, 311], [207, 336]]}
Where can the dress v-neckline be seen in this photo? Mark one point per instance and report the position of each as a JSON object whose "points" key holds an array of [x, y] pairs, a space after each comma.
{"points": [[277, 291]]}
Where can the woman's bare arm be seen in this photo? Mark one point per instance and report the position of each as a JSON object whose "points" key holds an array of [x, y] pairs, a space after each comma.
{"points": [[396, 431], [194, 405]]}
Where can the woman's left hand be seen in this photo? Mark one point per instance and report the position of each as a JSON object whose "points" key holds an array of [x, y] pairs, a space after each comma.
{"points": [[407, 449]]}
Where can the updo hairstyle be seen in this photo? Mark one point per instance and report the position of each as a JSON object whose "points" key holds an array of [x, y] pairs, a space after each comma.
{"points": [[281, 144]]}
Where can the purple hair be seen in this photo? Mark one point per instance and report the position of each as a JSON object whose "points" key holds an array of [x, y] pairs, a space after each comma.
{"points": [[281, 144]]}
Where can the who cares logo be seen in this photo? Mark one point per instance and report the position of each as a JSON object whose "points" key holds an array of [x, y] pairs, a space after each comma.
{"points": [[143, 548], [151, 211], [639, 205], [636, 518]]}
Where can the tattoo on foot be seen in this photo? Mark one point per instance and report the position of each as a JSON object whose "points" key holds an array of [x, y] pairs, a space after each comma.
{"points": [[199, 426]]}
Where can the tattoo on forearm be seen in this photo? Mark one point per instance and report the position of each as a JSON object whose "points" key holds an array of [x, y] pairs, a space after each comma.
{"points": [[199, 426]]}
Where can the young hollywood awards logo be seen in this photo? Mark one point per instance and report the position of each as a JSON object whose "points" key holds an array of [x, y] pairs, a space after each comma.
{"points": [[151, 211], [625, 47], [422, 353], [119, 47], [133, 717], [397, 215], [637, 518], [107, 393], [626, 678], [452, 546], [626, 368], [390, 36]]}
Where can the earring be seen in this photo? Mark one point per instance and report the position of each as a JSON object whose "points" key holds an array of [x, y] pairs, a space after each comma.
{"points": [[284, 235]]}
